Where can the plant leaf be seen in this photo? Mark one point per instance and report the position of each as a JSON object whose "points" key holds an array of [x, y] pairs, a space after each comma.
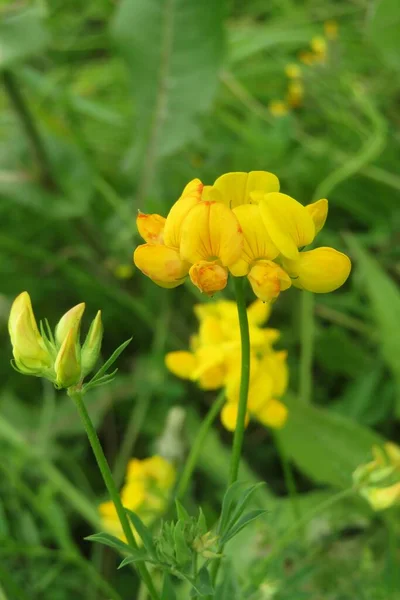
{"points": [[109, 540], [143, 531], [135, 556], [242, 522], [103, 370]]}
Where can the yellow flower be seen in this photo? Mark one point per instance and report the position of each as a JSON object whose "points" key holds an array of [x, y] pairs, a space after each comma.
{"points": [[278, 108], [234, 189], [268, 280], [379, 480], [31, 354], [146, 491], [331, 29], [319, 48], [320, 271], [295, 94], [307, 58], [293, 71], [161, 264]]}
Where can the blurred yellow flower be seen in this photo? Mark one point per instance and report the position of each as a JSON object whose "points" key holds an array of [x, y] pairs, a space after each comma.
{"points": [[295, 93], [331, 29], [379, 480], [319, 48], [293, 71], [278, 108], [241, 225], [146, 491], [214, 361]]}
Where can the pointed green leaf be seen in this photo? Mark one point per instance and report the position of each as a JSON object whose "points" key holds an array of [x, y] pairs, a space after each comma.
{"points": [[109, 540], [182, 551], [103, 370], [134, 557], [227, 504], [201, 523], [242, 502], [243, 522], [143, 531], [181, 511]]}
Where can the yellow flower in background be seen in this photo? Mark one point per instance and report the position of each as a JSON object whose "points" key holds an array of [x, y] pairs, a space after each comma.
{"points": [[295, 94], [242, 225], [307, 58], [293, 71], [319, 48], [214, 361], [278, 108], [379, 480], [146, 491], [331, 29]]}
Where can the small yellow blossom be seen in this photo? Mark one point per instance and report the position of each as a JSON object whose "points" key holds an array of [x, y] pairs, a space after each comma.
{"points": [[379, 480], [319, 48], [295, 94], [278, 108], [331, 29], [214, 361], [146, 491], [293, 71]]}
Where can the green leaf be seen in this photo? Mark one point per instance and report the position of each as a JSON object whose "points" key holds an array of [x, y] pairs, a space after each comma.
{"points": [[202, 585], [384, 31], [242, 502], [323, 444], [103, 370], [384, 296], [21, 36], [182, 551], [182, 513], [227, 504], [168, 592], [134, 557], [143, 531], [173, 49], [245, 520], [109, 540], [201, 523]]}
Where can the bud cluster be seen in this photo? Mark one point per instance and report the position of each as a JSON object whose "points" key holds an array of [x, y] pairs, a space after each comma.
{"points": [[59, 357]]}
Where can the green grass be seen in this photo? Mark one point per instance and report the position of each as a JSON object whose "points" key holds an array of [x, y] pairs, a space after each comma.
{"points": [[107, 108]]}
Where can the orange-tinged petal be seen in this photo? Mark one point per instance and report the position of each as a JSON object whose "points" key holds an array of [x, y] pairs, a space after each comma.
{"points": [[151, 227], [229, 415], [288, 223], [162, 264], [268, 280], [191, 196], [181, 363], [321, 270], [319, 212], [208, 277], [273, 414], [211, 231], [257, 244], [235, 188]]}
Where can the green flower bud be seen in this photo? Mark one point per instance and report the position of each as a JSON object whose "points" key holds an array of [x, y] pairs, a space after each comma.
{"points": [[91, 347]]}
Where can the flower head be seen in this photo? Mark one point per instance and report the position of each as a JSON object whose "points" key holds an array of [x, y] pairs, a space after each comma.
{"points": [[379, 480]]}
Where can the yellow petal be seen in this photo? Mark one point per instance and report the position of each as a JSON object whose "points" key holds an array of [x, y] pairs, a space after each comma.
{"points": [[211, 231], [181, 363], [293, 71], [278, 108], [267, 280], [295, 93], [150, 227], [68, 361], [288, 223], [162, 264], [160, 472], [29, 350], [258, 312], [208, 277], [213, 378], [382, 498], [257, 244], [229, 415], [191, 196], [71, 320], [273, 414], [321, 270], [235, 188], [318, 45], [318, 212]]}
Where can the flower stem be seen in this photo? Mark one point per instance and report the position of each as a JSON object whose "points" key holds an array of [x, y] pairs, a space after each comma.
{"points": [[196, 448], [244, 379], [76, 395]]}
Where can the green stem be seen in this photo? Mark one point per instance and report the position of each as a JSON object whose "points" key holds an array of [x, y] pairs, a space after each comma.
{"points": [[197, 446], [289, 479], [28, 123], [76, 395], [307, 346], [244, 379]]}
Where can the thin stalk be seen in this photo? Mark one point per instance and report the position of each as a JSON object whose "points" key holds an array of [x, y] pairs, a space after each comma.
{"points": [[244, 379], [76, 395], [197, 446], [29, 125], [290, 482]]}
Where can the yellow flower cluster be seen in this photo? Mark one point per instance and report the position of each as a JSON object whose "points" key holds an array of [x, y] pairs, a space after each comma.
{"points": [[379, 480], [146, 492], [214, 361], [241, 224], [316, 55]]}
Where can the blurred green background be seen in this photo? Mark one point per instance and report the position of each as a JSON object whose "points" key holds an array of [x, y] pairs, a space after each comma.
{"points": [[108, 107]]}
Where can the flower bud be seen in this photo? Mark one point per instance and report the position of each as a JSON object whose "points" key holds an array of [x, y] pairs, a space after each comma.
{"points": [[91, 348], [268, 280], [208, 277], [71, 320], [29, 349], [68, 363]]}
